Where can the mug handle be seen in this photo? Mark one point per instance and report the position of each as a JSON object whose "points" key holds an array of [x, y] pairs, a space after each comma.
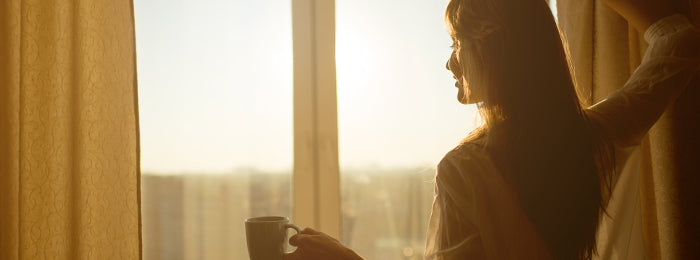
{"points": [[296, 228]]}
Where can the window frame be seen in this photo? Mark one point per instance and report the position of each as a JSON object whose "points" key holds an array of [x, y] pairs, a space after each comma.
{"points": [[316, 171]]}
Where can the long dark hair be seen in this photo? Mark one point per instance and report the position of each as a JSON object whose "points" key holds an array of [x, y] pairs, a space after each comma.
{"points": [[534, 126]]}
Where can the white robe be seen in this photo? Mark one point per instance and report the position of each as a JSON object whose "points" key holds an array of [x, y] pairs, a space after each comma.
{"points": [[476, 212]]}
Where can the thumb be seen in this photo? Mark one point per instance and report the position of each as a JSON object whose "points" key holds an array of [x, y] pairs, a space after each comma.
{"points": [[293, 240]]}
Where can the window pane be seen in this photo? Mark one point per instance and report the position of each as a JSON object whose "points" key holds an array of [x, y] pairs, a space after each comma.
{"points": [[215, 83], [398, 115]]}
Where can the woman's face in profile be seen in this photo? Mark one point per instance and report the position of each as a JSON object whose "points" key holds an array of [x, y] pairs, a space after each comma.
{"points": [[455, 67], [465, 93]]}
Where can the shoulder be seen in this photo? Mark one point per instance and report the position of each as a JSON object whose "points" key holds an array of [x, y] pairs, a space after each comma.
{"points": [[464, 162], [462, 175], [465, 153]]}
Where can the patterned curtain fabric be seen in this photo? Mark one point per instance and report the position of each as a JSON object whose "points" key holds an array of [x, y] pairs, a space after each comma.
{"points": [[69, 160], [653, 208]]}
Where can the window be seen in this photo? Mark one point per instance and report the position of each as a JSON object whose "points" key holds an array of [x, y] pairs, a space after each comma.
{"points": [[398, 115], [232, 126], [215, 83]]}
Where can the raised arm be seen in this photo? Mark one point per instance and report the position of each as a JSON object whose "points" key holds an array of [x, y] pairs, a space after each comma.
{"points": [[672, 59]]}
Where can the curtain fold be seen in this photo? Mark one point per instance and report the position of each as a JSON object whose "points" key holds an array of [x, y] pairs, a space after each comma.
{"points": [[604, 53], [69, 149], [659, 182]]}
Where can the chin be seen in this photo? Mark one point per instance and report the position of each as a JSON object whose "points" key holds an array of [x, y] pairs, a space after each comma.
{"points": [[461, 98], [467, 99], [463, 101]]}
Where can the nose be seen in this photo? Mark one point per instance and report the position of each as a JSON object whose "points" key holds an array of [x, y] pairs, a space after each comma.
{"points": [[452, 64], [449, 60]]}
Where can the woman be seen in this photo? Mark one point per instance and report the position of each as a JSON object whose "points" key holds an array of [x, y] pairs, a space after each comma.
{"points": [[531, 182]]}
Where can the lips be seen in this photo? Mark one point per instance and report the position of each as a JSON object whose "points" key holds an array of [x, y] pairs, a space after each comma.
{"points": [[458, 84], [460, 93]]}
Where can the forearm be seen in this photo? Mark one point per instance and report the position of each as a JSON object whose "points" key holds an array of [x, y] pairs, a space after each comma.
{"points": [[671, 60]]}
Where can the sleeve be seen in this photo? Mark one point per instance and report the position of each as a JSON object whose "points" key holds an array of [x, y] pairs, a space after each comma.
{"points": [[451, 233], [670, 62]]}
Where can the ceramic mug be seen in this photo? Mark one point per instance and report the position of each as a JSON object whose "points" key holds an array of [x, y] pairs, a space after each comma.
{"points": [[267, 237]]}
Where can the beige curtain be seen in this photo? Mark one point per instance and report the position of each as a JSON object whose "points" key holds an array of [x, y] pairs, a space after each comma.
{"points": [[69, 161], [653, 209]]}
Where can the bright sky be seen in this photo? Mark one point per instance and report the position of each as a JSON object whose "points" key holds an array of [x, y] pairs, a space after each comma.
{"points": [[215, 83]]}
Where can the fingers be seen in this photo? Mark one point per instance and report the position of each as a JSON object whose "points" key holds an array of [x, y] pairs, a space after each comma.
{"points": [[293, 240], [312, 244], [306, 237], [306, 240], [309, 236], [313, 241], [310, 231]]}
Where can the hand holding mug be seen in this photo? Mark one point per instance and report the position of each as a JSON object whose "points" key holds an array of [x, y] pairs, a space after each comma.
{"points": [[312, 244]]}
